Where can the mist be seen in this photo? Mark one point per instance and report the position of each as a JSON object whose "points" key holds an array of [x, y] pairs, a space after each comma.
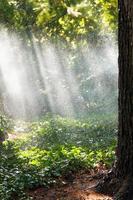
{"points": [[37, 79]]}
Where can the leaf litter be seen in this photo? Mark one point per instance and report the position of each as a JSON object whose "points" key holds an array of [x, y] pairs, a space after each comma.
{"points": [[78, 186]]}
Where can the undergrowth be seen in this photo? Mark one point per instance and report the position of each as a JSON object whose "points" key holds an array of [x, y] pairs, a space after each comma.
{"points": [[52, 148]]}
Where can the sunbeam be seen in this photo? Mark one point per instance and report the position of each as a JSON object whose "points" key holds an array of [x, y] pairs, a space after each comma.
{"points": [[39, 78]]}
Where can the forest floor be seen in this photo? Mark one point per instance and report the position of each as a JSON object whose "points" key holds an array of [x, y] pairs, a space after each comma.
{"points": [[77, 187]]}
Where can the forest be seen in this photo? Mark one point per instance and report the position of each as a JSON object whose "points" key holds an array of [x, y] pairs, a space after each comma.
{"points": [[58, 97]]}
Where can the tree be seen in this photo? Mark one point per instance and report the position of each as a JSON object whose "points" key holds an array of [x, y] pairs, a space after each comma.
{"points": [[122, 179], [124, 166], [75, 22]]}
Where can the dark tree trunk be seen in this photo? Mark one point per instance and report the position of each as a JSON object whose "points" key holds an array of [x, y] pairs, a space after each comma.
{"points": [[124, 165], [120, 181], [125, 135]]}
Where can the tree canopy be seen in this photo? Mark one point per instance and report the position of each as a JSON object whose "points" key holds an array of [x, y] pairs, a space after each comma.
{"points": [[67, 20]]}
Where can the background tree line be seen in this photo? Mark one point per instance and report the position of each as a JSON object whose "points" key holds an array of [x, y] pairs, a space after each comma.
{"points": [[73, 27]]}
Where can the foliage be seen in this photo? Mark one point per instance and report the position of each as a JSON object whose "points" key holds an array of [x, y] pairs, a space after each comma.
{"points": [[6, 13], [70, 25], [21, 170], [55, 146], [10, 173], [27, 163], [95, 133], [70, 21], [5, 125]]}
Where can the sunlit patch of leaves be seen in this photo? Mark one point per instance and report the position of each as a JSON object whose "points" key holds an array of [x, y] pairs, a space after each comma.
{"points": [[95, 133]]}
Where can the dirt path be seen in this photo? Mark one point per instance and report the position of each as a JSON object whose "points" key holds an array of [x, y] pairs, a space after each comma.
{"points": [[79, 189]]}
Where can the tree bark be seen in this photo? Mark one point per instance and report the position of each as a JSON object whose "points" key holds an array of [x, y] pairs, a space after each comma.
{"points": [[121, 180], [124, 165]]}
